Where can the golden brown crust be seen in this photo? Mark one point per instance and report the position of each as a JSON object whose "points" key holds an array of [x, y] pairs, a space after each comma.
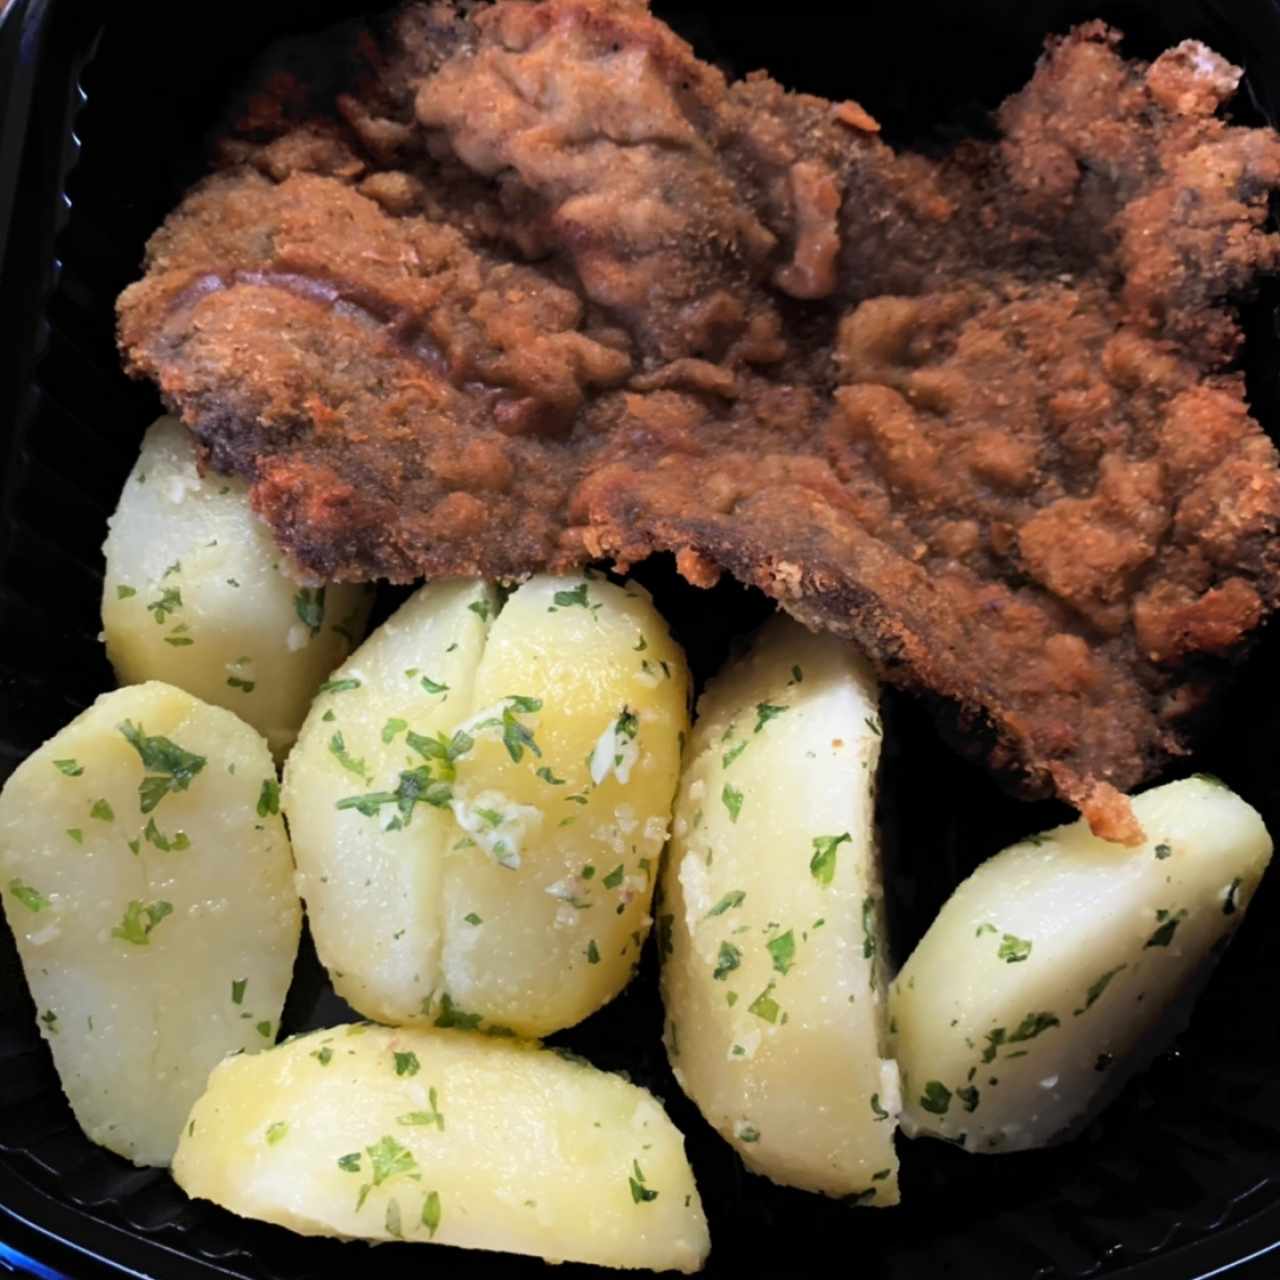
{"points": [[502, 288]]}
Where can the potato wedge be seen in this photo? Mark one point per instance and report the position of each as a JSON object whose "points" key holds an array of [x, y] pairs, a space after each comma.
{"points": [[771, 919], [371, 873], [197, 593], [370, 1133], [543, 749], [1058, 959], [147, 879]]}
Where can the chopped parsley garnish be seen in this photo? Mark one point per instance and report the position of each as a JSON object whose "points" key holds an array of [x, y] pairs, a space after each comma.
{"points": [[567, 599], [733, 753], [76, 834], [350, 1163], [783, 951], [238, 986], [308, 604], [614, 878], [264, 1030], [338, 686], [175, 567], [995, 1038], [936, 1098], [1229, 907], [276, 1132], [1032, 1025], [876, 1109], [984, 928], [823, 863], [969, 1096], [1163, 851], [472, 918], [481, 609], [547, 776], [177, 639], [640, 1194], [123, 592], [868, 928], [175, 843], [1096, 990], [797, 676], [1013, 950], [452, 1016], [393, 727], [102, 811], [236, 682], [1169, 922], [765, 1006], [873, 723], [338, 749], [729, 959], [324, 1056], [515, 736], [170, 601], [431, 1213], [387, 1160], [30, 898], [745, 1131], [732, 798], [407, 1064], [432, 686], [428, 1118], [50, 1020], [269, 798], [734, 898], [766, 712], [170, 768], [139, 920], [593, 952], [72, 768]]}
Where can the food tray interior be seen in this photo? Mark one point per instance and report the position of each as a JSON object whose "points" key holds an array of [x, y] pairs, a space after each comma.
{"points": [[1179, 1177]]}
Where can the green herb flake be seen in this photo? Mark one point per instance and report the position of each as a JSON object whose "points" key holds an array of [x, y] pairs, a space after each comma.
{"points": [[123, 592], [869, 916], [472, 918], [407, 1064], [393, 727], [30, 898], [481, 609], [170, 602], [238, 986], [984, 928], [433, 686], [166, 844], [733, 753], [236, 682], [275, 1132], [350, 1163], [732, 799], [1013, 950], [338, 686], [783, 951], [729, 959], [823, 863], [72, 768], [338, 749], [452, 1016], [324, 1056], [170, 767], [269, 798], [1169, 922], [970, 1097], [139, 920], [593, 952], [550, 778], [264, 1030], [1032, 1025], [431, 1213], [797, 676], [1096, 990], [1163, 851], [614, 878], [389, 1159], [765, 1006], [308, 604], [392, 1220], [734, 898], [936, 1098], [766, 712], [640, 1194], [876, 1109], [568, 599]]}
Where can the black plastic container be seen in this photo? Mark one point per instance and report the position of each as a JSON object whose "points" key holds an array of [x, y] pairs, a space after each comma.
{"points": [[103, 113]]}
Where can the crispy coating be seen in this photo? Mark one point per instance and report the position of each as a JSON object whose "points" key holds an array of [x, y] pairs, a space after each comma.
{"points": [[492, 289]]}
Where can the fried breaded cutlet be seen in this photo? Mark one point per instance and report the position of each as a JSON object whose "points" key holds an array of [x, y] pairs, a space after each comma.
{"points": [[488, 290]]}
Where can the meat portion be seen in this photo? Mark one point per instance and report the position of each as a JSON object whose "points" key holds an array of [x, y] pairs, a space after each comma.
{"points": [[492, 289]]}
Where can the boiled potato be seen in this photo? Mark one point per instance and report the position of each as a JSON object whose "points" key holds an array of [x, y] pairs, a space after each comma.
{"points": [[1055, 961], [371, 875], [479, 803], [147, 879], [770, 923], [369, 1133], [197, 593]]}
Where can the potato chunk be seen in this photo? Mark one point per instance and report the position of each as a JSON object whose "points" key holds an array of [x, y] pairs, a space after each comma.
{"points": [[771, 919], [196, 594], [147, 878], [1058, 959], [370, 1133], [479, 805]]}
